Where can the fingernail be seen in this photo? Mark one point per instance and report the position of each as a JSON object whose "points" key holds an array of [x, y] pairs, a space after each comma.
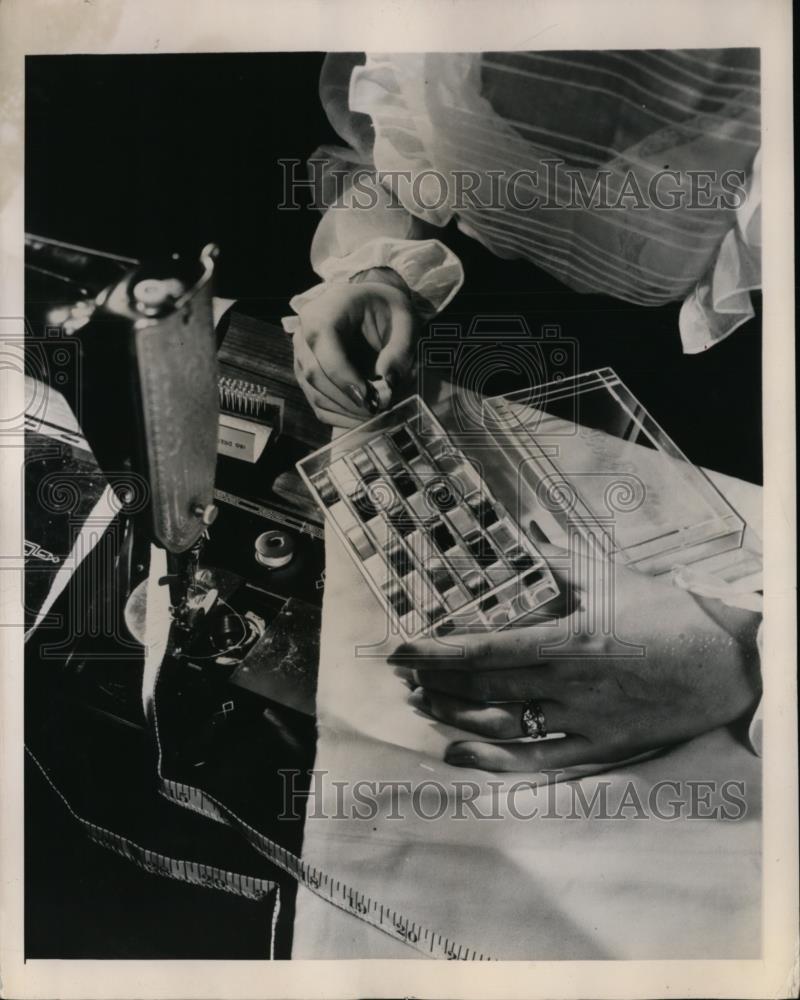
{"points": [[419, 699], [357, 395], [460, 758], [372, 400]]}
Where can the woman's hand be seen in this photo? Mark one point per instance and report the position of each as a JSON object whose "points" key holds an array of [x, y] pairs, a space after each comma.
{"points": [[672, 667], [351, 332]]}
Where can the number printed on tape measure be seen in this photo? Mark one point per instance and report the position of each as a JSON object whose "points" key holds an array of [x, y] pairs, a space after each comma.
{"points": [[333, 890], [155, 863], [322, 884]]}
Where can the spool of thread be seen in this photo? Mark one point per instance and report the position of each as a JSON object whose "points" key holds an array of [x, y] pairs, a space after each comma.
{"points": [[274, 549], [379, 395]]}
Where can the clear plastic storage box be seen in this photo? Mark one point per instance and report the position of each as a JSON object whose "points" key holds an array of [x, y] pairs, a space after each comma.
{"points": [[433, 540], [588, 455]]}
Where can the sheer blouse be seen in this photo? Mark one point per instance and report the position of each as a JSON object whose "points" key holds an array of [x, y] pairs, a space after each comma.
{"points": [[629, 173]]}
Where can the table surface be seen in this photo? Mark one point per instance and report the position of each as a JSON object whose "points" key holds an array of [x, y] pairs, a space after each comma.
{"points": [[517, 888]]}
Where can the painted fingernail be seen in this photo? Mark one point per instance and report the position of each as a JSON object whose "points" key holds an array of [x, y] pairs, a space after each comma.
{"points": [[460, 758], [419, 699], [373, 402], [357, 395], [406, 676]]}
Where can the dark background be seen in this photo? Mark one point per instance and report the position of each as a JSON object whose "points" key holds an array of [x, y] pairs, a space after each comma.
{"points": [[143, 154]]}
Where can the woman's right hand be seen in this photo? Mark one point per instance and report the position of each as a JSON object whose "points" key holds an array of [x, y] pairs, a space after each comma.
{"points": [[351, 333]]}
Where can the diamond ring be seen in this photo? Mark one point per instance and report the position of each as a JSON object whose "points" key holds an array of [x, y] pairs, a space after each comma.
{"points": [[533, 723]]}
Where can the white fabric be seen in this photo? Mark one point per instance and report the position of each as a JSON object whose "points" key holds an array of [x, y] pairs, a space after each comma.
{"points": [[721, 301], [91, 531], [743, 592], [427, 267], [430, 112], [755, 731], [543, 888]]}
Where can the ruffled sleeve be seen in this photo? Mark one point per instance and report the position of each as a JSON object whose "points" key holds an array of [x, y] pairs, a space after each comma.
{"points": [[429, 269], [720, 302], [745, 593], [395, 172], [391, 91], [755, 729]]}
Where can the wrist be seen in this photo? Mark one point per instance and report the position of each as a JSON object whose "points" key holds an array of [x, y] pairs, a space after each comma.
{"points": [[388, 276], [385, 275]]}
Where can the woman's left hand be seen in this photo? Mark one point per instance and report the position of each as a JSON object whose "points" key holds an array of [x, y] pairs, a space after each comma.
{"points": [[672, 667]]}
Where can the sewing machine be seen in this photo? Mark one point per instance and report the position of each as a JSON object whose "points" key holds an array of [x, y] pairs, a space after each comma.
{"points": [[158, 411], [134, 396], [219, 496]]}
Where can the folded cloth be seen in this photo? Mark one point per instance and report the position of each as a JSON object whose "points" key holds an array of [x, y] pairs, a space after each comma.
{"points": [[651, 883]]}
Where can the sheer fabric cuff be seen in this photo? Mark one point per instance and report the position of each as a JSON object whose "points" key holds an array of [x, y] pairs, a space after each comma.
{"points": [[720, 302], [756, 726], [430, 270], [745, 594], [391, 90]]}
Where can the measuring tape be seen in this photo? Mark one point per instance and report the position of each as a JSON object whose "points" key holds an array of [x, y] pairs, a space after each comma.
{"points": [[179, 869], [270, 513], [326, 886]]}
